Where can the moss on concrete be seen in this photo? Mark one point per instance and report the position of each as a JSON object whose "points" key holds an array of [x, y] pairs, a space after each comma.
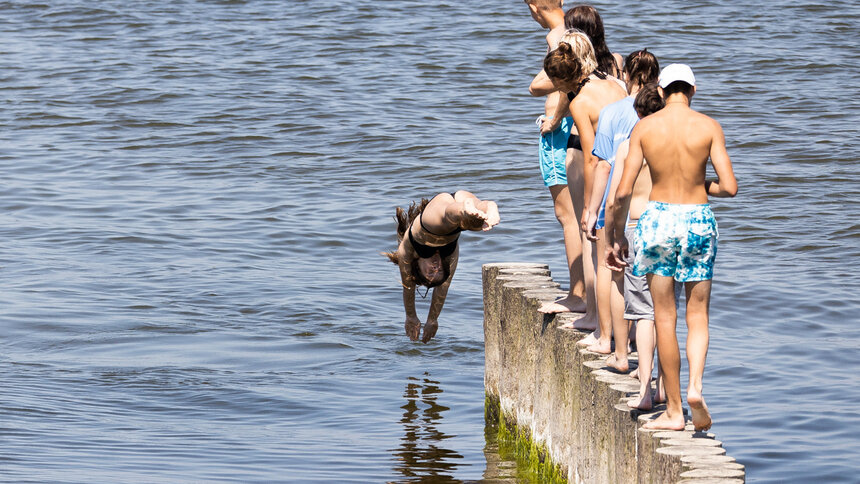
{"points": [[533, 462]]}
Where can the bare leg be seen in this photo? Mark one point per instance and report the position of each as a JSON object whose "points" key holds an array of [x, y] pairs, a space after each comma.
{"points": [[698, 300], [645, 345], [603, 278], [584, 272], [574, 302], [665, 316], [620, 328]]}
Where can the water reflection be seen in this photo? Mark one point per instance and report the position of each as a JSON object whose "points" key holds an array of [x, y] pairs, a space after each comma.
{"points": [[421, 457]]}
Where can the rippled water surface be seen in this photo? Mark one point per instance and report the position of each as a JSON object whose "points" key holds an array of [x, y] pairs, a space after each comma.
{"points": [[195, 195]]}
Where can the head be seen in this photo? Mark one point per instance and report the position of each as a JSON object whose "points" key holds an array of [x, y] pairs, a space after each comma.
{"points": [[648, 100], [430, 271], [539, 8], [640, 68], [586, 19], [675, 79], [571, 62]]}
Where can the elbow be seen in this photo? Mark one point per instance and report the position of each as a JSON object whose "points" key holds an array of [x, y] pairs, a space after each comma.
{"points": [[732, 189]]}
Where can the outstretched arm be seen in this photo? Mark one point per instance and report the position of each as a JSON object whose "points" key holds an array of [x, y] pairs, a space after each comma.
{"points": [[725, 185], [413, 324], [440, 292]]}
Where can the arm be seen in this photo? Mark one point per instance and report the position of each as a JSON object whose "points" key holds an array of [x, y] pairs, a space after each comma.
{"points": [[561, 109], [725, 185], [620, 204], [413, 324], [586, 137], [440, 293], [601, 179], [541, 85]]}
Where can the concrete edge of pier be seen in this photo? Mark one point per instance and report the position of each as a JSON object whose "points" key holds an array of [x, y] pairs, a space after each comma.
{"points": [[559, 398]]}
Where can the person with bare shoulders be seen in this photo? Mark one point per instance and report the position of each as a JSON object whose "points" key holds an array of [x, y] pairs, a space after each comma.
{"points": [[677, 233], [638, 308], [586, 19], [572, 67], [552, 152], [610, 141], [428, 250]]}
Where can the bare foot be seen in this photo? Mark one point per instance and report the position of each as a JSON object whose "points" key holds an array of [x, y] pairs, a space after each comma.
{"points": [[492, 216], [588, 340], [430, 328], [570, 304], [602, 347], [634, 374], [413, 327], [617, 363], [663, 422], [701, 416], [642, 402]]}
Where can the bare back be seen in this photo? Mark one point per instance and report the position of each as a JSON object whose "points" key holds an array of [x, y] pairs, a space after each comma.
{"points": [[677, 142]]}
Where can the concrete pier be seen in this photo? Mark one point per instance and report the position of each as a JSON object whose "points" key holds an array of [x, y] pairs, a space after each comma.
{"points": [[565, 409]]}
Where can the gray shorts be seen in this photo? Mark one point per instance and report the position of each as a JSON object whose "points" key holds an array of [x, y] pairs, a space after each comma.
{"points": [[637, 297]]}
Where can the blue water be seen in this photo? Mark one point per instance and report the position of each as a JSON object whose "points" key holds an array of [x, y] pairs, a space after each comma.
{"points": [[195, 195]]}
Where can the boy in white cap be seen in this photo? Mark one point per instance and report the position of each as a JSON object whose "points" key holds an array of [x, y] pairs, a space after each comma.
{"points": [[677, 233]]}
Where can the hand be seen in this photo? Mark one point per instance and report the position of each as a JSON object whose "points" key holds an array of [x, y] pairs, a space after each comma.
{"points": [[616, 256], [588, 223], [429, 330], [413, 326], [547, 126]]}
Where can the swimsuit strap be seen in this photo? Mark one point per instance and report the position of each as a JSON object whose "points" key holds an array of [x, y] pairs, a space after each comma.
{"points": [[424, 228], [424, 251], [596, 73]]}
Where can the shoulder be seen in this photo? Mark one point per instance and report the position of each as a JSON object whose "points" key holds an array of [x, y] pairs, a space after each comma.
{"points": [[554, 36], [707, 122]]}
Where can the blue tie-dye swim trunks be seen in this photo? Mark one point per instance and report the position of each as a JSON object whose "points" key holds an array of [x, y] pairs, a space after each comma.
{"points": [[676, 240]]}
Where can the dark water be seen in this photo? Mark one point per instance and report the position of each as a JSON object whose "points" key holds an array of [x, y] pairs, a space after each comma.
{"points": [[195, 194]]}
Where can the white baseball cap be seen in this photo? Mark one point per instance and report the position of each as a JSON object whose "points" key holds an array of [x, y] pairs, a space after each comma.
{"points": [[677, 72]]}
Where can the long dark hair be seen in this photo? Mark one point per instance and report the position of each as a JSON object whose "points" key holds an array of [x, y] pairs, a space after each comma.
{"points": [[641, 68], [586, 19], [404, 219]]}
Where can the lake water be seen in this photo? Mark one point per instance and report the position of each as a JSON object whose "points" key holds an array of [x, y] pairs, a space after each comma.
{"points": [[195, 195]]}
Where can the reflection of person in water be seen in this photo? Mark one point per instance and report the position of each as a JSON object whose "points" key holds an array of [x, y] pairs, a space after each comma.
{"points": [[427, 253], [420, 458]]}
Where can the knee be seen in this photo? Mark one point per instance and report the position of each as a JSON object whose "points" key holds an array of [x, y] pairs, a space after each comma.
{"points": [[564, 216]]}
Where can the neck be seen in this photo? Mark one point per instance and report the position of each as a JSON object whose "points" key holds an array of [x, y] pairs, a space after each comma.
{"points": [[678, 98], [554, 18]]}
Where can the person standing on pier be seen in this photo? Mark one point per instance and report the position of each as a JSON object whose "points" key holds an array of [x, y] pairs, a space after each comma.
{"points": [[553, 159], [677, 233], [428, 251]]}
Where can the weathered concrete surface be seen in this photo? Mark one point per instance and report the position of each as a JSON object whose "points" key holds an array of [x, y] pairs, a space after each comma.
{"points": [[565, 401]]}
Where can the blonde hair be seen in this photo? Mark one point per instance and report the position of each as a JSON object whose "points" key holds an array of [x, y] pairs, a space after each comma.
{"points": [[545, 4], [573, 60]]}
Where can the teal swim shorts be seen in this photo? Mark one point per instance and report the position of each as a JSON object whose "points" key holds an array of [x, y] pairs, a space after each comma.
{"points": [[553, 149], [678, 241]]}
